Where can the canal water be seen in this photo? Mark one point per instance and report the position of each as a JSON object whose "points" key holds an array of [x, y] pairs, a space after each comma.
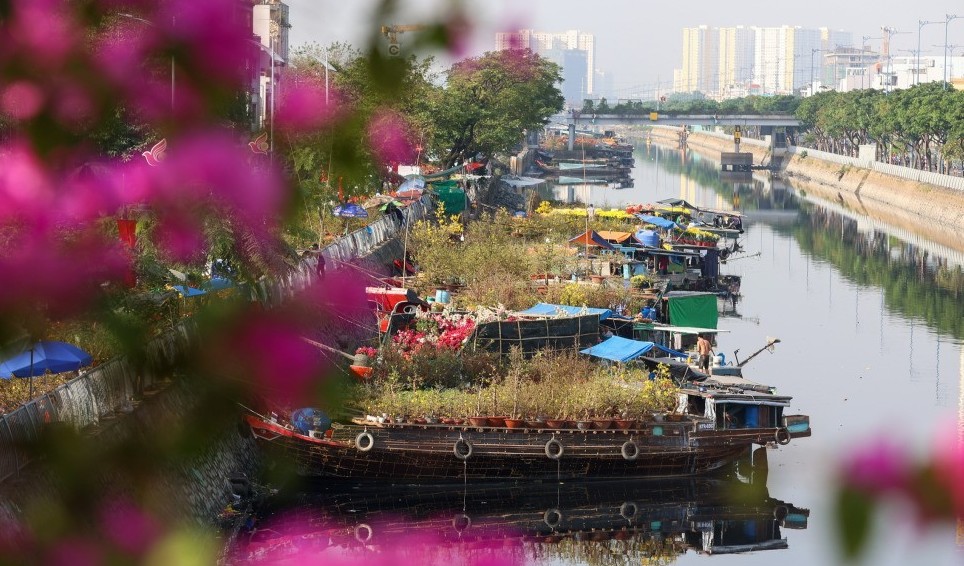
{"points": [[870, 321]]}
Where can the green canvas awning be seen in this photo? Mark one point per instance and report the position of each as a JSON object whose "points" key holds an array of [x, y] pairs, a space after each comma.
{"points": [[697, 309], [451, 195]]}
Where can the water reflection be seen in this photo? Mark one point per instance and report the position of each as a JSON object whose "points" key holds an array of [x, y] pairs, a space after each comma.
{"points": [[586, 522], [920, 279], [917, 283]]}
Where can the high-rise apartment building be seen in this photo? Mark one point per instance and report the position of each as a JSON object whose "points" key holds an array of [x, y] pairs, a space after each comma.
{"points": [[700, 60], [736, 61], [573, 50]]}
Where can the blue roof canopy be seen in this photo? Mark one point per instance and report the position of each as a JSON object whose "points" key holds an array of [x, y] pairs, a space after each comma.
{"points": [[657, 221], [622, 350], [546, 309]]}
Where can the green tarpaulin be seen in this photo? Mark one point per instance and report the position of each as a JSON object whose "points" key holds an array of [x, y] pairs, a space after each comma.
{"points": [[451, 195], [697, 310]]}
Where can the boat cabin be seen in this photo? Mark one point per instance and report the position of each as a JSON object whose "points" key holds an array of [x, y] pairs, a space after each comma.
{"points": [[733, 402]]}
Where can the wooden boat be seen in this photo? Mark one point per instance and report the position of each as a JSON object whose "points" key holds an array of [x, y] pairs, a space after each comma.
{"points": [[721, 424]]}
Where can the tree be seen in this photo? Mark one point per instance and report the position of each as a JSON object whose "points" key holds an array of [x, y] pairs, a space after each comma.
{"points": [[343, 158], [490, 100]]}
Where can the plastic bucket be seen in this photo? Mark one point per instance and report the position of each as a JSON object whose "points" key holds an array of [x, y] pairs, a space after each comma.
{"points": [[441, 296]]}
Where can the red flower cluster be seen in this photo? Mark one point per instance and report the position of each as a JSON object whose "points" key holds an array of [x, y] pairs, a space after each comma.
{"points": [[368, 351], [442, 332], [452, 334]]}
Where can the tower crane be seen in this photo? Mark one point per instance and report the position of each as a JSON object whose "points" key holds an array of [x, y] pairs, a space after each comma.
{"points": [[391, 32]]}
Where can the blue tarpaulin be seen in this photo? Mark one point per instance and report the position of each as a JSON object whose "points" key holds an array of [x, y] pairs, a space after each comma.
{"points": [[546, 309], [657, 221], [186, 291], [619, 349]]}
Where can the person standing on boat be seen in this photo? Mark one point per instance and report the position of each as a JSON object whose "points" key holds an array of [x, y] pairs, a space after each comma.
{"points": [[705, 349]]}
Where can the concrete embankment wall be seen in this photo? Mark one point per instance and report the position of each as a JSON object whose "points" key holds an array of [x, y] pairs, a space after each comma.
{"points": [[194, 489], [934, 212]]}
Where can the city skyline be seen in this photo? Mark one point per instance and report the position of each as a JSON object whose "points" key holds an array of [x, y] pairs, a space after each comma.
{"points": [[626, 33]]}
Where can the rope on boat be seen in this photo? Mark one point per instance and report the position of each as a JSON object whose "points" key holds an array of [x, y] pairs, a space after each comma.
{"points": [[552, 517]]}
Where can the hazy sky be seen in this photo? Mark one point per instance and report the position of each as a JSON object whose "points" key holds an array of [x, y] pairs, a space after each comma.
{"points": [[640, 41]]}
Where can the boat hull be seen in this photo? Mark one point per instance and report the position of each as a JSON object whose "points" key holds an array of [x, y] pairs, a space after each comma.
{"points": [[450, 452]]}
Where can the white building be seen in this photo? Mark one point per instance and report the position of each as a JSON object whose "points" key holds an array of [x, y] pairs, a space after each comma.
{"points": [[899, 73], [270, 24]]}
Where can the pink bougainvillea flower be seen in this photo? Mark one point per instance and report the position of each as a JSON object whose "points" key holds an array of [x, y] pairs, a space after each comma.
{"points": [[26, 187], [43, 32], [181, 237], [216, 39], [74, 551], [307, 105], [458, 32], [384, 540], [388, 136], [22, 100], [33, 265], [128, 527], [877, 467], [949, 465], [268, 353]]}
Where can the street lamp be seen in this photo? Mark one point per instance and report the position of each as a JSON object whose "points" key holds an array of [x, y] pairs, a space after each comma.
{"points": [[863, 44], [948, 19], [812, 51], [920, 24], [153, 25]]}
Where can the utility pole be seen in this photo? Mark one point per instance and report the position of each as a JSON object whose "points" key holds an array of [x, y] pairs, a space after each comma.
{"points": [[947, 21], [920, 24]]}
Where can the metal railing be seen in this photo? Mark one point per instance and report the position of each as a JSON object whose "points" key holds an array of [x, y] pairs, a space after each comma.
{"points": [[114, 385]]}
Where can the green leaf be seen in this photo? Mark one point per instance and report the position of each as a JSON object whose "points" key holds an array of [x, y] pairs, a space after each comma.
{"points": [[854, 512]]}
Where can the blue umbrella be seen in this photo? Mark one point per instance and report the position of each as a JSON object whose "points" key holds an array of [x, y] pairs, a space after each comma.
{"points": [[42, 357], [350, 210]]}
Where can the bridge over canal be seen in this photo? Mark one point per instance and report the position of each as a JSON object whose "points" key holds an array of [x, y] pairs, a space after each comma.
{"points": [[661, 119]]}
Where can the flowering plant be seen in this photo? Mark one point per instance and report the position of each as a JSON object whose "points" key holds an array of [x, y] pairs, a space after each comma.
{"points": [[368, 351], [444, 331]]}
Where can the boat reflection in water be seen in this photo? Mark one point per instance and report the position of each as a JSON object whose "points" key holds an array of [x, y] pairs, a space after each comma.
{"points": [[518, 522]]}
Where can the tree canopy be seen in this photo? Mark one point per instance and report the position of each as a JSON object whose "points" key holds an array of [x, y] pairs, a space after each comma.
{"points": [[488, 101], [918, 127]]}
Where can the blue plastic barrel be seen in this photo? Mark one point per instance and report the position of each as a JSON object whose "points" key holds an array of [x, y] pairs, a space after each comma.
{"points": [[442, 296], [752, 416], [648, 238]]}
